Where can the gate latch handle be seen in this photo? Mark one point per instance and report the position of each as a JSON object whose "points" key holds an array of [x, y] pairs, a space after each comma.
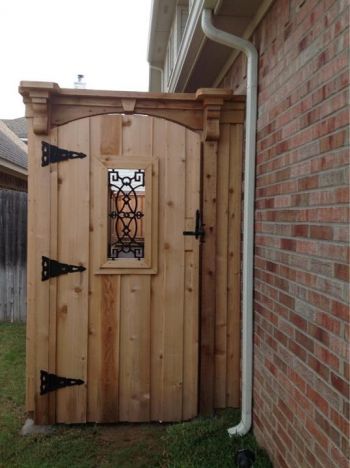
{"points": [[199, 229]]}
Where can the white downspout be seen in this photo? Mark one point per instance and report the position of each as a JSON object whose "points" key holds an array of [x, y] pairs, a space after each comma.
{"points": [[161, 71], [250, 51]]}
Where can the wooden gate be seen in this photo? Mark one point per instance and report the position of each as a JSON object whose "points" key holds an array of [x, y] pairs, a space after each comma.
{"points": [[114, 322]]}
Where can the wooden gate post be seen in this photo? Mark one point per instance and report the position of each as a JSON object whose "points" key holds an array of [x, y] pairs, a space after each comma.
{"points": [[211, 134]]}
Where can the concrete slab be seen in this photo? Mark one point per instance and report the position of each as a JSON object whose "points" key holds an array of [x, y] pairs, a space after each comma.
{"points": [[30, 428]]}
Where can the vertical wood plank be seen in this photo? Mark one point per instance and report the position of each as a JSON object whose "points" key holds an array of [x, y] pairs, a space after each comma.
{"points": [[191, 299], [174, 263], [73, 248], [208, 278], [221, 268], [135, 309], [104, 299], [53, 281], [111, 136], [38, 291], [234, 267], [137, 136], [134, 392], [157, 282], [110, 326], [95, 284]]}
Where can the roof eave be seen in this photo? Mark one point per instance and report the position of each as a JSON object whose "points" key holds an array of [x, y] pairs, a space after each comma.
{"points": [[13, 169]]}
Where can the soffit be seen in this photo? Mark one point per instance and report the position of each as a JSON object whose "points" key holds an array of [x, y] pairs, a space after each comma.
{"points": [[232, 16], [204, 59]]}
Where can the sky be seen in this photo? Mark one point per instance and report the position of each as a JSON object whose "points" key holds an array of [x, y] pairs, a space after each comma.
{"points": [[46, 40]]}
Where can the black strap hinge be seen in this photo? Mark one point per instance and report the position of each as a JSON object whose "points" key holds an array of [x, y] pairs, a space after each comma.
{"points": [[52, 268], [52, 382], [54, 154]]}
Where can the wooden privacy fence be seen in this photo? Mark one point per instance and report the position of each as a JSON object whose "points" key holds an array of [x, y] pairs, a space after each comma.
{"points": [[134, 254], [13, 242]]}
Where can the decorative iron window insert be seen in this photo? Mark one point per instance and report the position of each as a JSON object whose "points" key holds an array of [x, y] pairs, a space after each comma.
{"points": [[127, 213]]}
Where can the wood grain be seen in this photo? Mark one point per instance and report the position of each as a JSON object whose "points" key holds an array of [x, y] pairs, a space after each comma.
{"points": [[208, 279], [132, 334], [72, 295], [221, 268], [234, 268]]}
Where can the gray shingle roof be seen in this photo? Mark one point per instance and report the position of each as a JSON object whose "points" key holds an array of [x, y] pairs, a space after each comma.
{"points": [[18, 126], [12, 149]]}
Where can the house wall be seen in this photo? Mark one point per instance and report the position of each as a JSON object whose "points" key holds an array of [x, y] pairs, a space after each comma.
{"points": [[301, 368]]}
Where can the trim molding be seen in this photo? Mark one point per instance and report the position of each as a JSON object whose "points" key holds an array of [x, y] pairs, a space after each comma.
{"points": [[192, 24], [13, 169]]}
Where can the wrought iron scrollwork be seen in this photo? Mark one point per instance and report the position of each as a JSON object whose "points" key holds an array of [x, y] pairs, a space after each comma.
{"points": [[127, 187]]}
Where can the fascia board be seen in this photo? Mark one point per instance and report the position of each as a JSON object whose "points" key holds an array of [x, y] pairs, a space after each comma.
{"points": [[13, 169], [152, 27]]}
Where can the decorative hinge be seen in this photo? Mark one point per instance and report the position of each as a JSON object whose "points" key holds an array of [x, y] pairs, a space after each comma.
{"points": [[52, 382], [53, 154], [52, 268]]}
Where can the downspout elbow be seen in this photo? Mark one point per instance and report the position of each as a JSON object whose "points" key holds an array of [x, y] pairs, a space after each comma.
{"points": [[233, 41], [242, 428]]}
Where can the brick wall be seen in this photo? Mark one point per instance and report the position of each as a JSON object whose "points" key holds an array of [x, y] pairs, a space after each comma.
{"points": [[301, 370]]}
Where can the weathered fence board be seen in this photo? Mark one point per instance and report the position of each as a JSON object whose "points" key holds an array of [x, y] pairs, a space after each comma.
{"points": [[13, 242]]}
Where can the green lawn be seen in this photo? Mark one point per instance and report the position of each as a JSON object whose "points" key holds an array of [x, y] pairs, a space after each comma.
{"points": [[202, 443]]}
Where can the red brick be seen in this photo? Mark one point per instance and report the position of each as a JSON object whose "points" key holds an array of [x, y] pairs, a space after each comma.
{"points": [[342, 272], [308, 183], [327, 428], [327, 357], [339, 458], [319, 300], [318, 333], [318, 400], [318, 367], [298, 321], [286, 300], [301, 230], [341, 385], [328, 322], [334, 141], [304, 341], [341, 311], [341, 422], [297, 350], [321, 232], [321, 438]]}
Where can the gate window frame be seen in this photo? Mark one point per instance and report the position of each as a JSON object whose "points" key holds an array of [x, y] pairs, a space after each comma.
{"points": [[148, 264]]}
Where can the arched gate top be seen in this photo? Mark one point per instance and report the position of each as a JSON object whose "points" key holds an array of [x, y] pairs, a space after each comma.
{"points": [[50, 106]]}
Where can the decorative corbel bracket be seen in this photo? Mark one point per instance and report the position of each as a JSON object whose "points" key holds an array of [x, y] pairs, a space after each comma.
{"points": [[40, 114], [128, 105], [212, 101], [36, 96]]}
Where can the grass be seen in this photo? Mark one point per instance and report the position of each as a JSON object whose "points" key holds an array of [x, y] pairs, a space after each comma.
{"points": [[202, 443]]}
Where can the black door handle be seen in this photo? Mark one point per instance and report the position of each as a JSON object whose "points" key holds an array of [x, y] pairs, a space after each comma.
{"points": [[199, 229]]}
